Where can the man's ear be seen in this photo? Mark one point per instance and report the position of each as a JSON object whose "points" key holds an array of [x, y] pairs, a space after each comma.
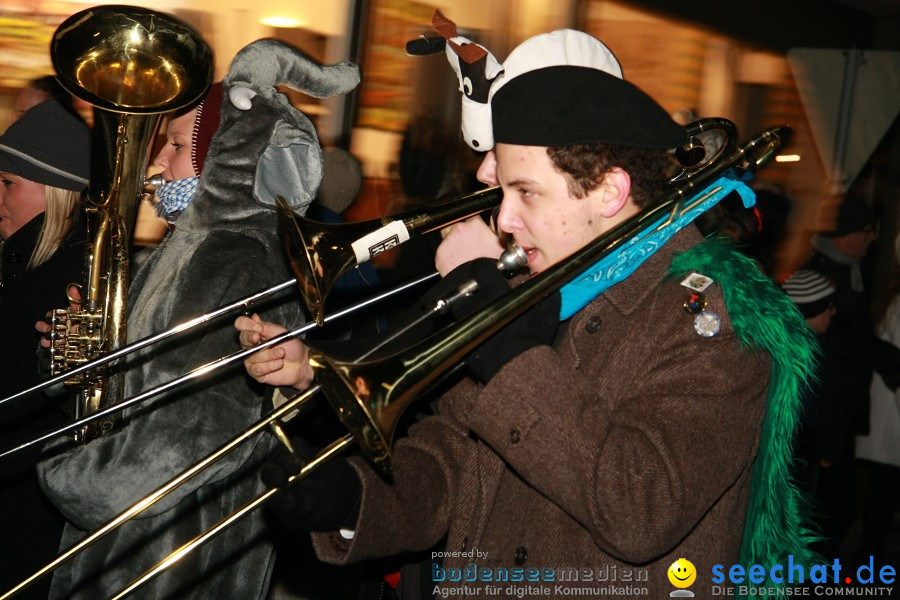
{"points": [[614, 191]]}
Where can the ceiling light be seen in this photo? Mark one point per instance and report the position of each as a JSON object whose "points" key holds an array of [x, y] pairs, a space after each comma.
{"points": [[279, 21]]}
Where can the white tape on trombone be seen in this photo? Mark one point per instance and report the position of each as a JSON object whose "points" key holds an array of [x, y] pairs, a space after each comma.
{"points": [[279, 398], [385, 238]]}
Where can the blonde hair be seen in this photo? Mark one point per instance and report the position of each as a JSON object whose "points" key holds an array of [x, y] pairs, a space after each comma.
{"points": [[59, 217]]}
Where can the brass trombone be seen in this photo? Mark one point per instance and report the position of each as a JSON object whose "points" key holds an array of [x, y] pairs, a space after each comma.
{"points": [[272, 420], [208, 368], [370, 396], [320, 253], [314, 246]]}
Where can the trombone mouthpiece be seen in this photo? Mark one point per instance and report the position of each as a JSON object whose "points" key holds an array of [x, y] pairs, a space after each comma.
{"points": [[512, 259], [151, 184], [155, 181]]}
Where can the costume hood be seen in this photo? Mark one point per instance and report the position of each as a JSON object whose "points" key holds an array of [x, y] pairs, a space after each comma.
{"points": [[481, 75], [264, 147]]}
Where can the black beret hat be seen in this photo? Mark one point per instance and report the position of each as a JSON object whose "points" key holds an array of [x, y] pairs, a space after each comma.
{"points": [[48, 144], [567, 105], [854, 215]]}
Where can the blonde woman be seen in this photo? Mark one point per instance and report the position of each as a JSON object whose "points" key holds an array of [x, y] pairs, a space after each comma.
{"points": [[44, 168]]}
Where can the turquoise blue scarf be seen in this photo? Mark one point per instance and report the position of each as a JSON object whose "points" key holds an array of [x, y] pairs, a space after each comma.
{"points": [[618, 265]]}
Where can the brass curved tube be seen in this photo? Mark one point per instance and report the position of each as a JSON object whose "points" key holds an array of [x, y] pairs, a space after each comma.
{"points": [[132, 65], [330, 247]]}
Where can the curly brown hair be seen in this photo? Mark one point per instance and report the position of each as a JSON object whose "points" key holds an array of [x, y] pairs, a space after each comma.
{"points": [[585, 165]]}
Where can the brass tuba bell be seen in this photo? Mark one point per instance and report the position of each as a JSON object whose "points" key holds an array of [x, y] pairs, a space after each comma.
{"points": [[132, 65]]}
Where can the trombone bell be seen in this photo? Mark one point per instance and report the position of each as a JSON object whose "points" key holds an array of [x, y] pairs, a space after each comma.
{"points": [[320, 253]]}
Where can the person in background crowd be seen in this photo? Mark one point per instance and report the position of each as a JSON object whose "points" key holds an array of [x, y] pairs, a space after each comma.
{"points": [[757, 231], [425, 160], [814, 295], [858, 353], [36, 91], [880, 449], [839, 254], [824, 443], [44, 169]]}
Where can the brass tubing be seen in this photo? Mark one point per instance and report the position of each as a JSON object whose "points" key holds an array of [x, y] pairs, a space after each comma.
{"points": [[211, 367], [153, 339], [327, 453], [132, 65], [162, 491], [422, 220]]}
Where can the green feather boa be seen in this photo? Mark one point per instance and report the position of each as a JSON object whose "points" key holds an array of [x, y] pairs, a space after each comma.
{"points": [[764, 318]]}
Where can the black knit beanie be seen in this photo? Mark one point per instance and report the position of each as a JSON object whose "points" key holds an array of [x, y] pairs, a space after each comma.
{"points": [[854, 215], [48, 144]]}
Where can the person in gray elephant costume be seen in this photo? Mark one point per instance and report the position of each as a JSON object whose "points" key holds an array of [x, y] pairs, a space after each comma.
{"points": [[223, 246]]}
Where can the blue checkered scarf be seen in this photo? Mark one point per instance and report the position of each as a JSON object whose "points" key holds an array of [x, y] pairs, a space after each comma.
{"points": [[175, 196]]}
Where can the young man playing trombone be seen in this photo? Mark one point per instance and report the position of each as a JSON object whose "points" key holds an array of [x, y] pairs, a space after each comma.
{"points": [[614, 428]]}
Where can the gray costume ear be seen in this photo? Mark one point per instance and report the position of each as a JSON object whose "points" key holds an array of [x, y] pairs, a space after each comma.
{"points": [[263, 64], [291, 164]]}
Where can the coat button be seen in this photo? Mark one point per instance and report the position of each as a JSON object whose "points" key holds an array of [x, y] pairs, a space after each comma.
{"points": [[14, 258], [465, 543], [520, 555], [515, 437], [593, 325]]}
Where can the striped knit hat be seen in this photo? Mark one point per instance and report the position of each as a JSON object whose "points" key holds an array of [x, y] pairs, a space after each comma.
{"points": [[209, 113], [811, 291]]}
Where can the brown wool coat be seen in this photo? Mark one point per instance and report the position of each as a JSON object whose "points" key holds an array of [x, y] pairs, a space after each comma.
{"points": [[627, 446]]}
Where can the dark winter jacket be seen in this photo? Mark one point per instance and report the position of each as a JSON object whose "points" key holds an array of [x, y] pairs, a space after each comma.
{"points": [[31, 526], [627, 446]]}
